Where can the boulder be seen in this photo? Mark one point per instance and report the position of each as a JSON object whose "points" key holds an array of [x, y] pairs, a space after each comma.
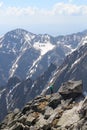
{"points": [[71, 89]]}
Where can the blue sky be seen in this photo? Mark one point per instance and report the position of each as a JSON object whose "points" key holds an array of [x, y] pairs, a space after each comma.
{"points": [[55, 17]]}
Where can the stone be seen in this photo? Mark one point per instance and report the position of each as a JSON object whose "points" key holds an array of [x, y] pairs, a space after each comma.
{"points": [[31, 118], [48, 112], [71, 89], [25, 109], [42, 123], [55, 100], [17, 126]]}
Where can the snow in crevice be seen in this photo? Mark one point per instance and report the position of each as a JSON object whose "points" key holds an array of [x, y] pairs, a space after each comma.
{"points": [[9, 95], [1, 92], [83, 42], [76, 62], [14, 66], [33, 67]]}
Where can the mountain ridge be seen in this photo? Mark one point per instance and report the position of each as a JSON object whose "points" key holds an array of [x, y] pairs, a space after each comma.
{"points": [[22, 47]]}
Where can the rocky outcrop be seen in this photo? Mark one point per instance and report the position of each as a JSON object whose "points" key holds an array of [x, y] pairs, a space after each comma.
{"points": [[71, 89], [51, 112]]}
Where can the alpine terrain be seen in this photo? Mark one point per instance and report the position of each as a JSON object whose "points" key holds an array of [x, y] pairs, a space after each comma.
{"points": [[64, 110], [29, 63]]}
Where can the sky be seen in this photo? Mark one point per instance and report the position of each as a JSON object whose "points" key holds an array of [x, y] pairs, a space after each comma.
{"points": [[54, 17]]}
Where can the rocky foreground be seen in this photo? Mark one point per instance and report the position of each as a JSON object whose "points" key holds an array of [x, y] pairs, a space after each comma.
{"points": [[65, 110]]}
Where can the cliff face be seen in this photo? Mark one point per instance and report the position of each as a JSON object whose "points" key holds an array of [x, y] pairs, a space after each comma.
{"points": [[65, 110]]}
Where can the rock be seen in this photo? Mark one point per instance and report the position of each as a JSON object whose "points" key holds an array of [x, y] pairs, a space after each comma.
{"points": [[48, 112], [42, 123], [71, 89], [31, 118], [22, 119], [39, 107], [55, 100], [17, 126], [25, 109], [68, 118], [83, 109]]}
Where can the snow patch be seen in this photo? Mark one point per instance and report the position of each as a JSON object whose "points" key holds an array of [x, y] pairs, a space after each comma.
{"points": [[43, 47], [33, 67], [83, 42], [1, 92], [9, 96], [78, 60]]}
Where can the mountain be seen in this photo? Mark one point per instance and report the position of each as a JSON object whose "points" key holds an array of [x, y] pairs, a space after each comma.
{"points": [[64, 110], [74, 66], [28, 55], [30, 62]]}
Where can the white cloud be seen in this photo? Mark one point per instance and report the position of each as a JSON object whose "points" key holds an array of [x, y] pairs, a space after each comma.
{"points": [[20, 11], [68, 9], [57, 9]]}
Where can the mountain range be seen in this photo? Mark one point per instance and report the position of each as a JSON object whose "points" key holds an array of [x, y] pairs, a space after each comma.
{"points": [[28, 55], [29, 63]]}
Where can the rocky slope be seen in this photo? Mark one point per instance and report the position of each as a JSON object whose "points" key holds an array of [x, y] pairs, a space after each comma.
{"points": [[64, 110], [28, 55]]}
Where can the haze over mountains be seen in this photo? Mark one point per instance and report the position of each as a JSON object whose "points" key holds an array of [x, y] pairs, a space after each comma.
{"points": [[29, 62]]}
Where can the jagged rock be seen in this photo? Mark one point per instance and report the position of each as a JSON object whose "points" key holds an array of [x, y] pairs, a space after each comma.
{"points": [[25, 109], [48, 112], [83, 109], [39, 107], [31, 118], [71, 89], [68, 118], [55, 100], [41, 122], [17, 126]]}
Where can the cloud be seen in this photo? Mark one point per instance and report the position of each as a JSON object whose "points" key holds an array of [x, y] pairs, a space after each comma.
{"points": [[57, 9], [69, 9], [17, 11]]}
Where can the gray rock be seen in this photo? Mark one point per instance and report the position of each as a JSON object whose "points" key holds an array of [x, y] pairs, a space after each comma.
{"points": [[71, 89], [48, 112], [55, 100]]}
